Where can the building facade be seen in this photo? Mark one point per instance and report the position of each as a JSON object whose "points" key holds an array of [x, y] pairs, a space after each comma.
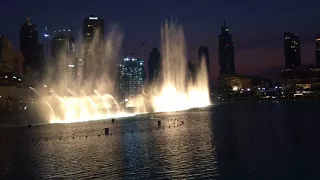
{"points": [[131, 81], [236, 87], [154, 66], [292, 50], [203, 54], [93, 39], [63, 54], [193, 69], [300, 80], [226, 52], [29, 45]]}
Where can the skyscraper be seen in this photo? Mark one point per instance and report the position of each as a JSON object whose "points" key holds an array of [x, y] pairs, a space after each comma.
{"points": [[193, 69], [62, 45], [131, 77], [29, 44], [93, 39], [93, 29], [63, 54], [318, 51], [154, 65], [291, 50], [203, 54], [226, 52]]}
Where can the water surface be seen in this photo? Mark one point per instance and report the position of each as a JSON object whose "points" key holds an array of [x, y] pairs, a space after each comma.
{"points": [[266, 140]]}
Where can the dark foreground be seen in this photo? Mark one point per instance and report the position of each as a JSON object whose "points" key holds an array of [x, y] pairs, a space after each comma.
{"points": [[267, 140]]}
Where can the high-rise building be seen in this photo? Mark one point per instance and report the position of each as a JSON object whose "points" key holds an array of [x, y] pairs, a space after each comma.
{"points": [[63, 54], [62, 45], [318, 51], [29, 44], [203, 54], [93, 39], [226, 52], [93, 29], [154, 66], [292, 50], [131, 77], [193, 69]]}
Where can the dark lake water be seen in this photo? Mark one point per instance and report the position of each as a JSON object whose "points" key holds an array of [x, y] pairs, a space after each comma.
{"points": [[252, 140]]}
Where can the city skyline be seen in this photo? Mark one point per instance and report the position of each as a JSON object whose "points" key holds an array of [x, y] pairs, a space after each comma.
{"points": [[258, 41], [99, 24]]}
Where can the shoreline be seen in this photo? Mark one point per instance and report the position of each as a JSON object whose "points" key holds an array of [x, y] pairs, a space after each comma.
{"points": [[15, 120]]}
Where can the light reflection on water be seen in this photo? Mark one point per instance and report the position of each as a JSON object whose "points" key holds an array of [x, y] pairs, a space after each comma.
{"points": [[233, 141], [129, 153]]}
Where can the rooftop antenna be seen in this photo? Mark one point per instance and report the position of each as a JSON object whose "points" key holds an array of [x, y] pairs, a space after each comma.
{"points": [[224, 23]]}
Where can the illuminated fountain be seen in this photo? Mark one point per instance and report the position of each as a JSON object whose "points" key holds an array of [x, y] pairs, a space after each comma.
{"points": [[82, 108], [65, 98], [138, 103], [176, 91], [87, 96]]}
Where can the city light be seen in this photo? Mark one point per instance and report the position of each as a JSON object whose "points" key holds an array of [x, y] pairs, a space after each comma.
{"points": [[235, 88], [64, 100]]}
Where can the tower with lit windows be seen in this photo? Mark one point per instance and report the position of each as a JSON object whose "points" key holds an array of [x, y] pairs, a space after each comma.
{"points": [[292, 50], [132, 76]]}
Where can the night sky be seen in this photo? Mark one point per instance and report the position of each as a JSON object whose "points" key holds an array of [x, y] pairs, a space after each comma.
{"points": [[257, 26]]}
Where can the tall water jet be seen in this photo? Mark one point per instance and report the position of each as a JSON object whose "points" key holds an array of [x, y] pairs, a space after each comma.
{"points": [[176, 93], [173, 53]]}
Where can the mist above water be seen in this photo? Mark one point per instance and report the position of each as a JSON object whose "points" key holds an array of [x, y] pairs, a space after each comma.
{"points": [[89, 93], [83, 89], [176, 92]]}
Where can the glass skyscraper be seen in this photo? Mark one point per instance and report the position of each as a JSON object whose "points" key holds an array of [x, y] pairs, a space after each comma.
{"points": [[131, 81]]}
